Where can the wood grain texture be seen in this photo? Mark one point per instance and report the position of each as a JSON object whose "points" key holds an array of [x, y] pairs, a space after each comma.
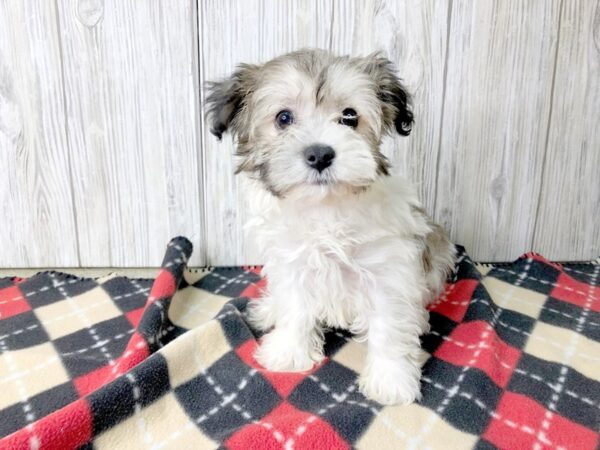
{"points": [[496, 107], [414, 36], [568, 220], [234, 32], [131, 92], [104, 155], [36, 207]]}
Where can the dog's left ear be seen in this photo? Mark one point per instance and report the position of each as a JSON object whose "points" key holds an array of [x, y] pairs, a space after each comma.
{"points": [[396, 101], [226, 100]]}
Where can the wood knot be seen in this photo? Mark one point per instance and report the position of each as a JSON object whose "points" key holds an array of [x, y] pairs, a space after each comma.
{"points": [[498, 187], [90, 12]]}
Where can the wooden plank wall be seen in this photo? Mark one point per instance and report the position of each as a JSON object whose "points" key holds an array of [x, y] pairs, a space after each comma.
{"points": [[104, 157]]}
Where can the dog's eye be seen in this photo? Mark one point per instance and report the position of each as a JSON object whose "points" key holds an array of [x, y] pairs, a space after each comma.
{"points": [[284, 118], [349, 118]]}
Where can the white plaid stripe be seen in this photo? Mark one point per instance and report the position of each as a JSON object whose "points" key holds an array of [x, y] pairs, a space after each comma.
{"points": [[226, 399], [239, 279], [49, 361], [548, 283], [533, 376], [456, 387], [34, 441], [551, 407], [42, 289], [341, 399], [75, 312], [493, 414]]}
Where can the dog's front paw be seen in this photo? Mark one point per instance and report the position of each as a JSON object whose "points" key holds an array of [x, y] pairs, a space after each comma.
{"points": [[280, 352], [392, 382]]}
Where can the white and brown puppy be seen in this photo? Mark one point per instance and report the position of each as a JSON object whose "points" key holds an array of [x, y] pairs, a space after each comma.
{"points": [[345, 244]]}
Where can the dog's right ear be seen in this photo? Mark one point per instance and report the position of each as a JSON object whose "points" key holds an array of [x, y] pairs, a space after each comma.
{"points": [[226, 99]]}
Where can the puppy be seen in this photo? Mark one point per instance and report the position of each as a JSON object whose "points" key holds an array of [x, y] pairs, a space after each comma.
{"points": [[345, 244]]}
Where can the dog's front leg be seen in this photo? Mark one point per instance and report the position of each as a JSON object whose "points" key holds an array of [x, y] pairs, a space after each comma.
{"points": [[393, 368], [295, 343]]}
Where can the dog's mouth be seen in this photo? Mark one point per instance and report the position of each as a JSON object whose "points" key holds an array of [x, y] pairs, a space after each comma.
{"points": [[324, 178]]}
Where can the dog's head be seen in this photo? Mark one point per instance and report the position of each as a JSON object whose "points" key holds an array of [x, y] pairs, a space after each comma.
{"points": [[310, 122]]}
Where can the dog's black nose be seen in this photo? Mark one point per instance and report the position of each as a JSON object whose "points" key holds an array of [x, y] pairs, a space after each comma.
{"points": [[319, 156]]}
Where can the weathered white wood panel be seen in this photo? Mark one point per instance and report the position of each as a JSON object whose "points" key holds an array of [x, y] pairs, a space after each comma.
{"points": [[568, 220], [104, 157], [495, 116], [251, 32], [131, 93], [414, 36], [37, 225]]}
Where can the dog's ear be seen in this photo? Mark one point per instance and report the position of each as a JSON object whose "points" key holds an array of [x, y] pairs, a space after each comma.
{"points": [[226, 99], [396, 101]]}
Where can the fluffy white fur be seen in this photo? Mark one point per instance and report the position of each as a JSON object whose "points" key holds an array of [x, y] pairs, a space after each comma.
{"points": [[352, 262], [348, 247]]}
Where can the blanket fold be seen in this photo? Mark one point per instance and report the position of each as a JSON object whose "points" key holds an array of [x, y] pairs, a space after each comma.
{"points": [[167, 363]]}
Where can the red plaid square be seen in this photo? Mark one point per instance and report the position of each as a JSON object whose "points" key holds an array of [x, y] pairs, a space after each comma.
{"points": [[520, 422], [283, 382], [457, 299], [484, 350], [12, 302], [570, 290], [286, 427]]}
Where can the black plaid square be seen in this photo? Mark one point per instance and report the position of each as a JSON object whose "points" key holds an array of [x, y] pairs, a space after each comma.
{"points": [[511, 326], [85, 351], [6, 282], [14, 417], [483, 444], [229, 282], [22, 331], [481, 306], [465, 270], [126, 293], [577, 400], [568, 315], [234, 327], [467, 406], [441, 326], [529, 274], [232, 394], [335, 340], [583, 273], [49, 287], [330, 390], [538, 379], [117, 400], [514, 328]]}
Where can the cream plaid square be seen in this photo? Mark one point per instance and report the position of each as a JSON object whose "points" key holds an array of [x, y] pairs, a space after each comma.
{"points": [[163, 424], [402, 426], [555, 344], [206, 343], [509, 296], [352, 355], [192, 307], [76, 313], [29, 372], [192, 276]]}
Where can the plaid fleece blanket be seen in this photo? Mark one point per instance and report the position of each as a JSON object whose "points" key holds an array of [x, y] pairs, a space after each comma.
{"points": [[120, 363]]}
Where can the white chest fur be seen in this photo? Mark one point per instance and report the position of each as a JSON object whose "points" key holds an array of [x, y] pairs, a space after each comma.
{"points": [[342, 250]]}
